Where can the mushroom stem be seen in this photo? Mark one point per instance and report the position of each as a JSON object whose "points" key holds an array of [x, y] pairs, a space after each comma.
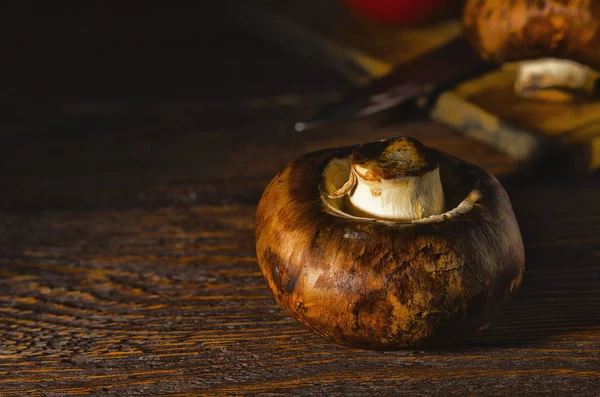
{"points": [[398, 200], [396, 180], [547, 78]]}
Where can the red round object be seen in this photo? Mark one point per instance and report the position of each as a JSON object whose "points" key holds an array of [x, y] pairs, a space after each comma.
{"points": [[398, 11]]}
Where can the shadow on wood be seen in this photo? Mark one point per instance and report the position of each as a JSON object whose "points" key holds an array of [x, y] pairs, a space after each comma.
{"points": [[559, 216]]}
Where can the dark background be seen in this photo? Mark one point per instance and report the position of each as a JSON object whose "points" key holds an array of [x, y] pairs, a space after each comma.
{"points": [[91, 89]]}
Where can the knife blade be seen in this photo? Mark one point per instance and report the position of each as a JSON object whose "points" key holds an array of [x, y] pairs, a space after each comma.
{"points": [[425, 76]]}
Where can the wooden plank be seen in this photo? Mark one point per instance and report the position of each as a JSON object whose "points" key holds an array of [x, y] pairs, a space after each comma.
{"points": [[173, 298]]}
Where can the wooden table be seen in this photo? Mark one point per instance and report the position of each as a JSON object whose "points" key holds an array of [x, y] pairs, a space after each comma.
{"points": [[129, 182]]}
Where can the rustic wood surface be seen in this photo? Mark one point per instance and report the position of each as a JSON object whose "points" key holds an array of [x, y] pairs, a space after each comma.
{"points": [[129, 182]]}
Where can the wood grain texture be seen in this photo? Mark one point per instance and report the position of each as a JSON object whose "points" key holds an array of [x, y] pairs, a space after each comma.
{"points": [[127, 262]]}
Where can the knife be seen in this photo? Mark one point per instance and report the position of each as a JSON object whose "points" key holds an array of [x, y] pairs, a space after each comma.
{"points": [[426, 76]]}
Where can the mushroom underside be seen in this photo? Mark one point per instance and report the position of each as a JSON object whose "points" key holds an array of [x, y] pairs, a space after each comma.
{"points": [[553, 79], [458, 190], [555, 41]]}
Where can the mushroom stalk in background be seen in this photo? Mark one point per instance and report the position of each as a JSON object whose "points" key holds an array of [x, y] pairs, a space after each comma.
{"points": [[553, 79]]}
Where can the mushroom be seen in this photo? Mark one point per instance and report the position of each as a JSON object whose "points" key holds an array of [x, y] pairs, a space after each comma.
{"points": [[388, 245], [555, 42]]}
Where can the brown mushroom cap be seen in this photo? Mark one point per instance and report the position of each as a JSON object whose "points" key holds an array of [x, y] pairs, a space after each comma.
{"points": [[506, 31], [384, 285]]}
